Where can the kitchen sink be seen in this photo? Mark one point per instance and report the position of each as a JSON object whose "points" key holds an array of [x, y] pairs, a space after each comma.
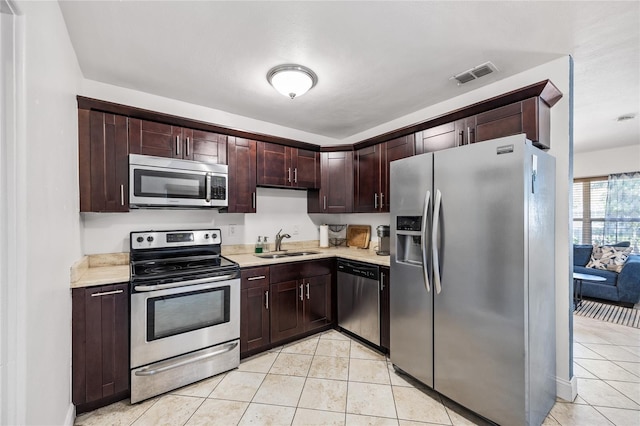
{"points": [[285, 254]]}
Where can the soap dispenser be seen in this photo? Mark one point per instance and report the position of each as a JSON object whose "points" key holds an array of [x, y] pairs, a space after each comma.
{"points": [[259, 245]]}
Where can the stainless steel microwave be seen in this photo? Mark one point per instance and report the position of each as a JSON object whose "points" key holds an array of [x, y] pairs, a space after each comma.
{"points": [[157, 182]]}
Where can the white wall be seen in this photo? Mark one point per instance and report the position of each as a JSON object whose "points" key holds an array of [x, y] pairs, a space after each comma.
{"points": [[50, 155], [607, 161]]}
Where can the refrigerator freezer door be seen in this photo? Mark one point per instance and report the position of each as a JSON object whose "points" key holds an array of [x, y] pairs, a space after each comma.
{"points": [[479, 316], [411, 304]]}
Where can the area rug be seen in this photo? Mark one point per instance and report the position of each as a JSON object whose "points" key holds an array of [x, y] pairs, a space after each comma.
{"points": [[610, 313]]}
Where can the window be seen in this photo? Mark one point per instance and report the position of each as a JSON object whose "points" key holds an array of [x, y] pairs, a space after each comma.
{"points": [[606, 210]]}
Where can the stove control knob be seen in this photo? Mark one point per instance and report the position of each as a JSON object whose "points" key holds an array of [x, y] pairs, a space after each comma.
{"points": [[206, 236], [139, 239], [150, 238]]}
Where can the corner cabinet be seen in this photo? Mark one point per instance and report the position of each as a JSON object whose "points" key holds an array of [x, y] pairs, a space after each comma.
{"points": [[100, 345], [241, 154], [103, 162], [300, 296], [287, 167], [336, 187]]}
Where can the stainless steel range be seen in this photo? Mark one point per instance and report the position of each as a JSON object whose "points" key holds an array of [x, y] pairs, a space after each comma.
{"points": [[185, 310]]}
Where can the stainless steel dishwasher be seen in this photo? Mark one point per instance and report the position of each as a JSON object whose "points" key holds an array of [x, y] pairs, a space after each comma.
{"points": [[359, 299]]}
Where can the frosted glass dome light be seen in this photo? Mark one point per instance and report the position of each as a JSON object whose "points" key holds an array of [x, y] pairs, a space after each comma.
{"points": [[292, 80]]}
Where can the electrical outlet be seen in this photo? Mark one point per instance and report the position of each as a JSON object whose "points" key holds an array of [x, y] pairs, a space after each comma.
{"points": [[232, 230], [296, 230]]}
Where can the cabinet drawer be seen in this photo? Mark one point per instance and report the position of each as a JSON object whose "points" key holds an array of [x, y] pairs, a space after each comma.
{"points": [[254, 277], [299, 270]]}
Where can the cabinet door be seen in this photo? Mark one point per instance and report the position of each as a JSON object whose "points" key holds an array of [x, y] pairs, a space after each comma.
{"points": [[242, 175], [100, 345], [336, 187], [274, 167], [287, 313], [385, 321], [499, 122], [317, 303], [440, 137], [204, 146], [306, 168], [151, 138], [395, 149], [367, 179], [104, 176], [254, 309]]}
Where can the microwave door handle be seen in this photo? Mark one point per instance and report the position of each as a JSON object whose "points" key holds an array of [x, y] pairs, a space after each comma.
{"points": [[207, 183]]}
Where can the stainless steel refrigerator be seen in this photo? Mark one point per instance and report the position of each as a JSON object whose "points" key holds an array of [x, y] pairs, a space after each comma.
{"points": [[472, 276]]}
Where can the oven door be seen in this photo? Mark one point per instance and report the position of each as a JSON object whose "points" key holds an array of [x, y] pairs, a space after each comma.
{"points": [[152, 186], [174, 321]]}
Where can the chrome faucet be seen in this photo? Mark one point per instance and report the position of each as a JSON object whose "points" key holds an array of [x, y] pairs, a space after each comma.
{"points": [[279, 238]]}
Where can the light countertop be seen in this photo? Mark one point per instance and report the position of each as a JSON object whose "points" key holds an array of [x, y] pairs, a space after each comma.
{"points": [[113, 268]]}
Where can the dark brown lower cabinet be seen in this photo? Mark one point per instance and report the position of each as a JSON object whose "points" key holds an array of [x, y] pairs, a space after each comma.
{"points": [[385, 320], [299, 306], [254, 309], [100, 345]]}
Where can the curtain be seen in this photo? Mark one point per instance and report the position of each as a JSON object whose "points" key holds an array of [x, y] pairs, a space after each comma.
{"points": [[622, 211]]}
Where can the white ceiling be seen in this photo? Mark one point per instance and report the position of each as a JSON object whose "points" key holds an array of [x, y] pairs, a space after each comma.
{"points": [[376, 61]]}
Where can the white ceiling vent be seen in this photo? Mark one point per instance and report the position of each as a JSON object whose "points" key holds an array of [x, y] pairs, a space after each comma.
{"points": [[474, 73]]}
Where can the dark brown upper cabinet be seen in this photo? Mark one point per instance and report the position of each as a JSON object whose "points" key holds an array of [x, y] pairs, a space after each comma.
{"points": [[287, 167], [336, 188], [103, 162], [242, 175], [165, 140], [371, 181]]}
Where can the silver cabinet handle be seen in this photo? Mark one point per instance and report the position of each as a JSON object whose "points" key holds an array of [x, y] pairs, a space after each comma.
{"points": [[266, 299], [289, 175], [106, 293], [307, 291], [381, 199], [461, 138], [325, 202], [295, 175], [187, 148], [177, 145], [434, 241], [207, 183], [301, 293], [375, 200], [253, 199], [122, 195], [425, 216], [258, 277], [163, 366], [381, 281]]}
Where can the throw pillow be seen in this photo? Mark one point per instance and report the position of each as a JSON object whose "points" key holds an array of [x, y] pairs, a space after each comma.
{"points": [[608, 258]]}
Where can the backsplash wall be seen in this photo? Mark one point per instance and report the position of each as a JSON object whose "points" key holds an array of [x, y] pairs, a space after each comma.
{"points": [[284, 209]]}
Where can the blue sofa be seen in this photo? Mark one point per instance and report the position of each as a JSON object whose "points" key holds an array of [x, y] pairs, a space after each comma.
{"points": [[622, 287]]}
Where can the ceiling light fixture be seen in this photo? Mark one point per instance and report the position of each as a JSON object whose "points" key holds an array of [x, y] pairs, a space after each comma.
{"points": [[292, 80]]}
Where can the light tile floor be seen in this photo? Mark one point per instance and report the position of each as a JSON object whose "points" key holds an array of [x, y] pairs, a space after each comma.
{"points": [[330, 379]]}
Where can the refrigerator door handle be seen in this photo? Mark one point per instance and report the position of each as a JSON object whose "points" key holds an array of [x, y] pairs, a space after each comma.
{"points": [[425, 213], [434, 242]]}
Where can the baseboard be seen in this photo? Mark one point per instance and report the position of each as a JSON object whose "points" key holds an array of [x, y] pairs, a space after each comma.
{"points": [[71, 415], [567, 389]]}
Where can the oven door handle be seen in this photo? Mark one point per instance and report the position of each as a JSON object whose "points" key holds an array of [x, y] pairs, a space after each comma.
{"points": [[163, 366], [184, 283]]}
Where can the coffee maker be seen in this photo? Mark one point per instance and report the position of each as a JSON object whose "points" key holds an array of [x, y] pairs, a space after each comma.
{"points": [[383, 240]]}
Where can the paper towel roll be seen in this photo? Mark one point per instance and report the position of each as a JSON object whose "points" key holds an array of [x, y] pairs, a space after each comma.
{"points": [[324, 236]]}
